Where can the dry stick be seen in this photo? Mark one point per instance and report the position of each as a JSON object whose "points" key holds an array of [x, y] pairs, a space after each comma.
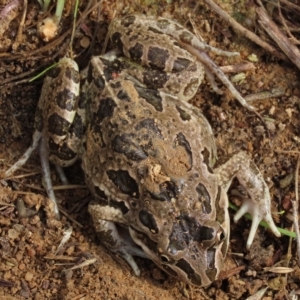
{"points": [[238, 68], [279, 37], [295, 204], [249, 34], [294, 40], [290, 4], [20, 29]]}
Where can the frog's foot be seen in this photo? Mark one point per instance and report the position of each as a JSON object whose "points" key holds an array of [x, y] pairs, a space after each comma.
{"points": [[110, 236], [259, 212], [259, 204]]}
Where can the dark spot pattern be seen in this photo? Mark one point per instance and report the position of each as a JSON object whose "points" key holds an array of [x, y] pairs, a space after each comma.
{"points": [[62, 152], [183, 114], [78, 127], [167, 191], [136, 52], [150, 126], [151, 96], [116, 38], [186, 230], [157, 57], [148, 220], [66, 99], [180, 64], [126, 144], [182, 141], [122, 95], [124, 182], [204, 198], [72, 74], [105, 110], [54, 72], [206, 158], [58, 125], [155, 79], [115, 85]]}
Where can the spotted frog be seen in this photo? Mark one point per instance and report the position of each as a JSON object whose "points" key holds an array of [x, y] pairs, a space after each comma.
{"points": [[147, 154]]}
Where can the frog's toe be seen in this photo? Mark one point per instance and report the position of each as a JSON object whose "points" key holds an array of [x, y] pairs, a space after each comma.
{"points": [[259, 212]]}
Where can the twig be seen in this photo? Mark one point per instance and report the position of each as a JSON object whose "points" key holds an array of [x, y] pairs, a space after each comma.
{"points": [[291, 51], [238, 68], [290, 4], [295, 204], [295, 41], [275, 93], [20, 29], [247, 33]]}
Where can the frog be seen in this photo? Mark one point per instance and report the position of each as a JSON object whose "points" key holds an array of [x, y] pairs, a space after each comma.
{"points": [[148, 155]]}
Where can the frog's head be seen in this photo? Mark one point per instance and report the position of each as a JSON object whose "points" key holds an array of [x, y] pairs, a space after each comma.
{"points": [[189, 250]]}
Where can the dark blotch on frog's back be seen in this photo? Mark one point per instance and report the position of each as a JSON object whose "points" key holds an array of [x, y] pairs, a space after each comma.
{"points": [[78, 127], [136, 52], [54, 72], [105, 110], [180, 64], [157, 57], [204, 198], [181, 140], [65, 99], [151, 96], [126, 144], [72, 74], [58, 125], [167, 191], [125, 183], [155, 79], [123, 95], [150, 126], [116, 39], [148, 221]]}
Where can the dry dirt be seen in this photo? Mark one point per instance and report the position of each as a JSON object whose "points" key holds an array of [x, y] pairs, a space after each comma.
{"points": [[30, 268]]}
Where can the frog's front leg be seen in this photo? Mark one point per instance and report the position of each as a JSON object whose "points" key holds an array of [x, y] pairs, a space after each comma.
{"points": [[249, 176], [116, 239]]}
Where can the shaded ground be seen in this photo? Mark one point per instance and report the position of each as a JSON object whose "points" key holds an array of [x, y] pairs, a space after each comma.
{"points": [[30, 270]]}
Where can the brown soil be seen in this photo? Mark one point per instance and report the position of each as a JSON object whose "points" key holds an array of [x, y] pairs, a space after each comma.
{"points": [[30, 268]]}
